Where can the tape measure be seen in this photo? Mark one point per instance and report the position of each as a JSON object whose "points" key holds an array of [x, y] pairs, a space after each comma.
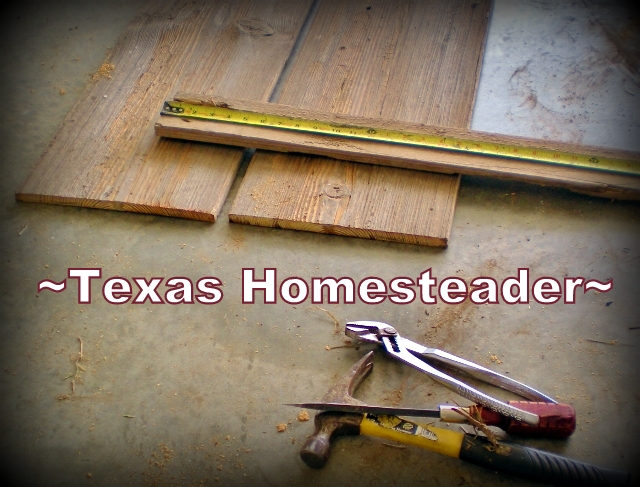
{"points": [[231, 115]]}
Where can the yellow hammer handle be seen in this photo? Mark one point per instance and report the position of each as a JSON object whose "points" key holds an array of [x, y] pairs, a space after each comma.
{"points": [[439, 440]]}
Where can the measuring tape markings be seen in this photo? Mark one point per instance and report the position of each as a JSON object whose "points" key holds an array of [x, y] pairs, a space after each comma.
{"points": [[225, 114]]}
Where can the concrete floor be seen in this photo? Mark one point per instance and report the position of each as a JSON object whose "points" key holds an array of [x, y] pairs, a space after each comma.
{"points": [[192, 394]]}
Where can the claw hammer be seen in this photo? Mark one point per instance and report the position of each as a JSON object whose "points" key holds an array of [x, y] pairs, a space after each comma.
{"points": [[506, 457]]}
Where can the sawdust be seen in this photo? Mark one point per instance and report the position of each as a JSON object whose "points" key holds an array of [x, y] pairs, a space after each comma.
{"points": [[449, 325], [303, 416], [395, 396], [257, 194], [494, 358], [103, 72], [156, 465], [281, 427]]}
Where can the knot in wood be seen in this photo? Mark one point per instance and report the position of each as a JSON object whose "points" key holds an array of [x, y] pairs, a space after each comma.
{"points": [[255, 28], [336, 190]]}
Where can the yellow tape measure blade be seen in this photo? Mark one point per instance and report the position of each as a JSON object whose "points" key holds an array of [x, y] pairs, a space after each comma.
{"points": [[226, 114]]}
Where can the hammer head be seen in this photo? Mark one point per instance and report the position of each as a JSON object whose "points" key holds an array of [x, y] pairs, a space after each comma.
{"points": [[317, 448]]}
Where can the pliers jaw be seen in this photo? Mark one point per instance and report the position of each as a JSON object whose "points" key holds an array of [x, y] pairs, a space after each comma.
{"points": [[370, 331]]}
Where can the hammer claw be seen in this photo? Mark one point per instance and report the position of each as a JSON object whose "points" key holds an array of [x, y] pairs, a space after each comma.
{"points": [[342, 391]]}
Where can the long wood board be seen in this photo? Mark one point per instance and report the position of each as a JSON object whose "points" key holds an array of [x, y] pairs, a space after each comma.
{"points": [[106, 154], [399, 60], [590, 179]]}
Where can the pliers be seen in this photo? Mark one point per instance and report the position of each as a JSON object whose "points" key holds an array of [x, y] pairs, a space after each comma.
{"points": [[423, 359]]}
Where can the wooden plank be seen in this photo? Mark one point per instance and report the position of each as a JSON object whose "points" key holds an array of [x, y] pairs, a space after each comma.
{"points": [[350, 199], [602, 183], [106, 154], [400, 60]]}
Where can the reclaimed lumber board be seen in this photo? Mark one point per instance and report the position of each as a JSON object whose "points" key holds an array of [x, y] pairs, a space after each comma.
{"points": [[106, 155], [592, 181], [386, 59]]}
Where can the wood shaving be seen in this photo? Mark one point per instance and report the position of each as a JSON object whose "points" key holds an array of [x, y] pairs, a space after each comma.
{"points": [[336, 323], [393, 445], [476, 422], [76, 359], [610, 342]]}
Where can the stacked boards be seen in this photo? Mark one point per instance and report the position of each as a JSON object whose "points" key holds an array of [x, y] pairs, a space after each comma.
{"points": [[398, 60], [588, 169]]}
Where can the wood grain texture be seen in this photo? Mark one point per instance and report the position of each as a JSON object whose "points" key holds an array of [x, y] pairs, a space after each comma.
{"points": [[398, 60], [357, 200], [106, 154], [601, 183]]}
